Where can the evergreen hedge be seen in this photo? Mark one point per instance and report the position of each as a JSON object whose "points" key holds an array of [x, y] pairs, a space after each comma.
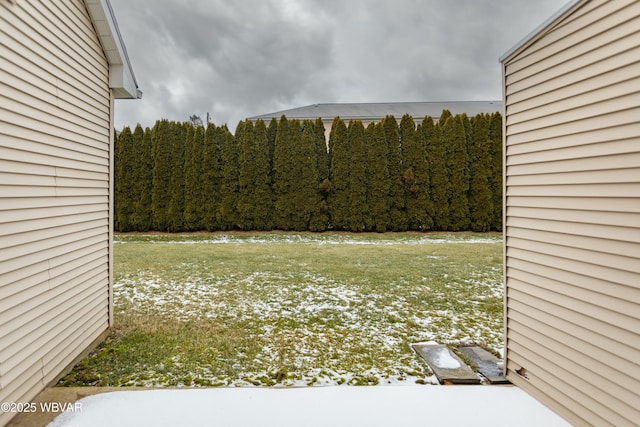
{"points": [[391, 176]]}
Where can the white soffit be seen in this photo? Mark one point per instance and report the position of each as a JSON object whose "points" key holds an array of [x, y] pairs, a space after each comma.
{"points": [[121, 77]]}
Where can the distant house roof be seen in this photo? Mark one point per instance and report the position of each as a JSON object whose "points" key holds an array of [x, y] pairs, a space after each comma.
{"points": [[378, 110], [121, 77]]}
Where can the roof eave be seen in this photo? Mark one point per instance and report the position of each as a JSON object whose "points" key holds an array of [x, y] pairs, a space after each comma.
{"points": [[542, 28], [121, 78]]}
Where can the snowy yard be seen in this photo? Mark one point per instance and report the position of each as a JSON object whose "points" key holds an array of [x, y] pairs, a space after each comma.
{"points": [[294, 309]]}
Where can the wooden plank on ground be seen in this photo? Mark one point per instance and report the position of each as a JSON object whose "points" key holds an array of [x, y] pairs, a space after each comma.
{"points": [[446, 366], [487, 363]]}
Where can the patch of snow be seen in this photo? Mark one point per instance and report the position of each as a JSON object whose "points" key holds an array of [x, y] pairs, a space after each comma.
{"points": [[480, 406], [443, 359]]}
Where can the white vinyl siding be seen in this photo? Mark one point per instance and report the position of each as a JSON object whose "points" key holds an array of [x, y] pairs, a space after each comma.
{"points": [[55, 106], [572, 214]]}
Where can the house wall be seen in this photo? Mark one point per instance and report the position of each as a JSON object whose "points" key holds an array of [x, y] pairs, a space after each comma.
{"points": [[55, 128], [572, 214]]}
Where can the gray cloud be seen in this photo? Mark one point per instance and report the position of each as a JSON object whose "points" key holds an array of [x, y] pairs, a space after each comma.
{"points": [[235, 59]]}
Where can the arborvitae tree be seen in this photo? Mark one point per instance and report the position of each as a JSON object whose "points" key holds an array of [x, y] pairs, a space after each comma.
{"points": [[244, 141], [143, 179], [211, 177], [263, 191], [444, 116], [397, 201], [377, 179], [283, 180], [495, 177], [322, 157], [480, 206], [322, 154], [338, 199], [439, 177], [272, 131], [468, 129], [193, 179], [255, 199], [124, 180], [181, 132], [320, 221], [227, 213], [358, 209], [305, 196], [416, 176], [457, 162], [161, 140]]}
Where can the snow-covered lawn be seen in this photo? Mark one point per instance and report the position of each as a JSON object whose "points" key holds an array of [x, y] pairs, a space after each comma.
{"points": [[294, 309]]}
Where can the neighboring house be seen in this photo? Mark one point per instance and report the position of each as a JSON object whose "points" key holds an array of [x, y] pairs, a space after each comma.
{"points": [[375, 112], [572, 212], [62, 64]]}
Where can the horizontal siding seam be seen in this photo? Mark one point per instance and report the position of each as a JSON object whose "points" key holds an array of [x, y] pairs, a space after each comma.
{"points": [[578, 302], [575, 77], [65, 120], [40, 340], [82, 109], [586, 118], [597, 258], [542, 110], [57, 312], [583, 326]]}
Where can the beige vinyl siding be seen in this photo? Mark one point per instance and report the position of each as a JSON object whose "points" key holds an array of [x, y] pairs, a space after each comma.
{"points": [[572, 214], [55, 119]]}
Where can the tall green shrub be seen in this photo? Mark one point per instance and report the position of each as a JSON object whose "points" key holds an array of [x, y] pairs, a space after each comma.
{"points": [[415, 175], [480, 203], [180, 133], [439, 186], [306, 194], [324, 184], [143, 179], [377, 179], [357, 190], [457, 162], [211, 177], [193, 189], [227, 213], [397, 200], [338, 199], [255, 199], [124, 180], [283, 177], [161, 141], [495, 177]]}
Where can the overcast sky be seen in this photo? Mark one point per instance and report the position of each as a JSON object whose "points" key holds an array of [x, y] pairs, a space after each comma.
{"points": [[240, 58]]}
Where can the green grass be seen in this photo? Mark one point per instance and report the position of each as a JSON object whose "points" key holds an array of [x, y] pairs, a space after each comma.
{"points": [[293, 309]]}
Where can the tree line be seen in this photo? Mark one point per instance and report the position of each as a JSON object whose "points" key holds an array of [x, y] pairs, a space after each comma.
{"points": [[387, 176]]}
